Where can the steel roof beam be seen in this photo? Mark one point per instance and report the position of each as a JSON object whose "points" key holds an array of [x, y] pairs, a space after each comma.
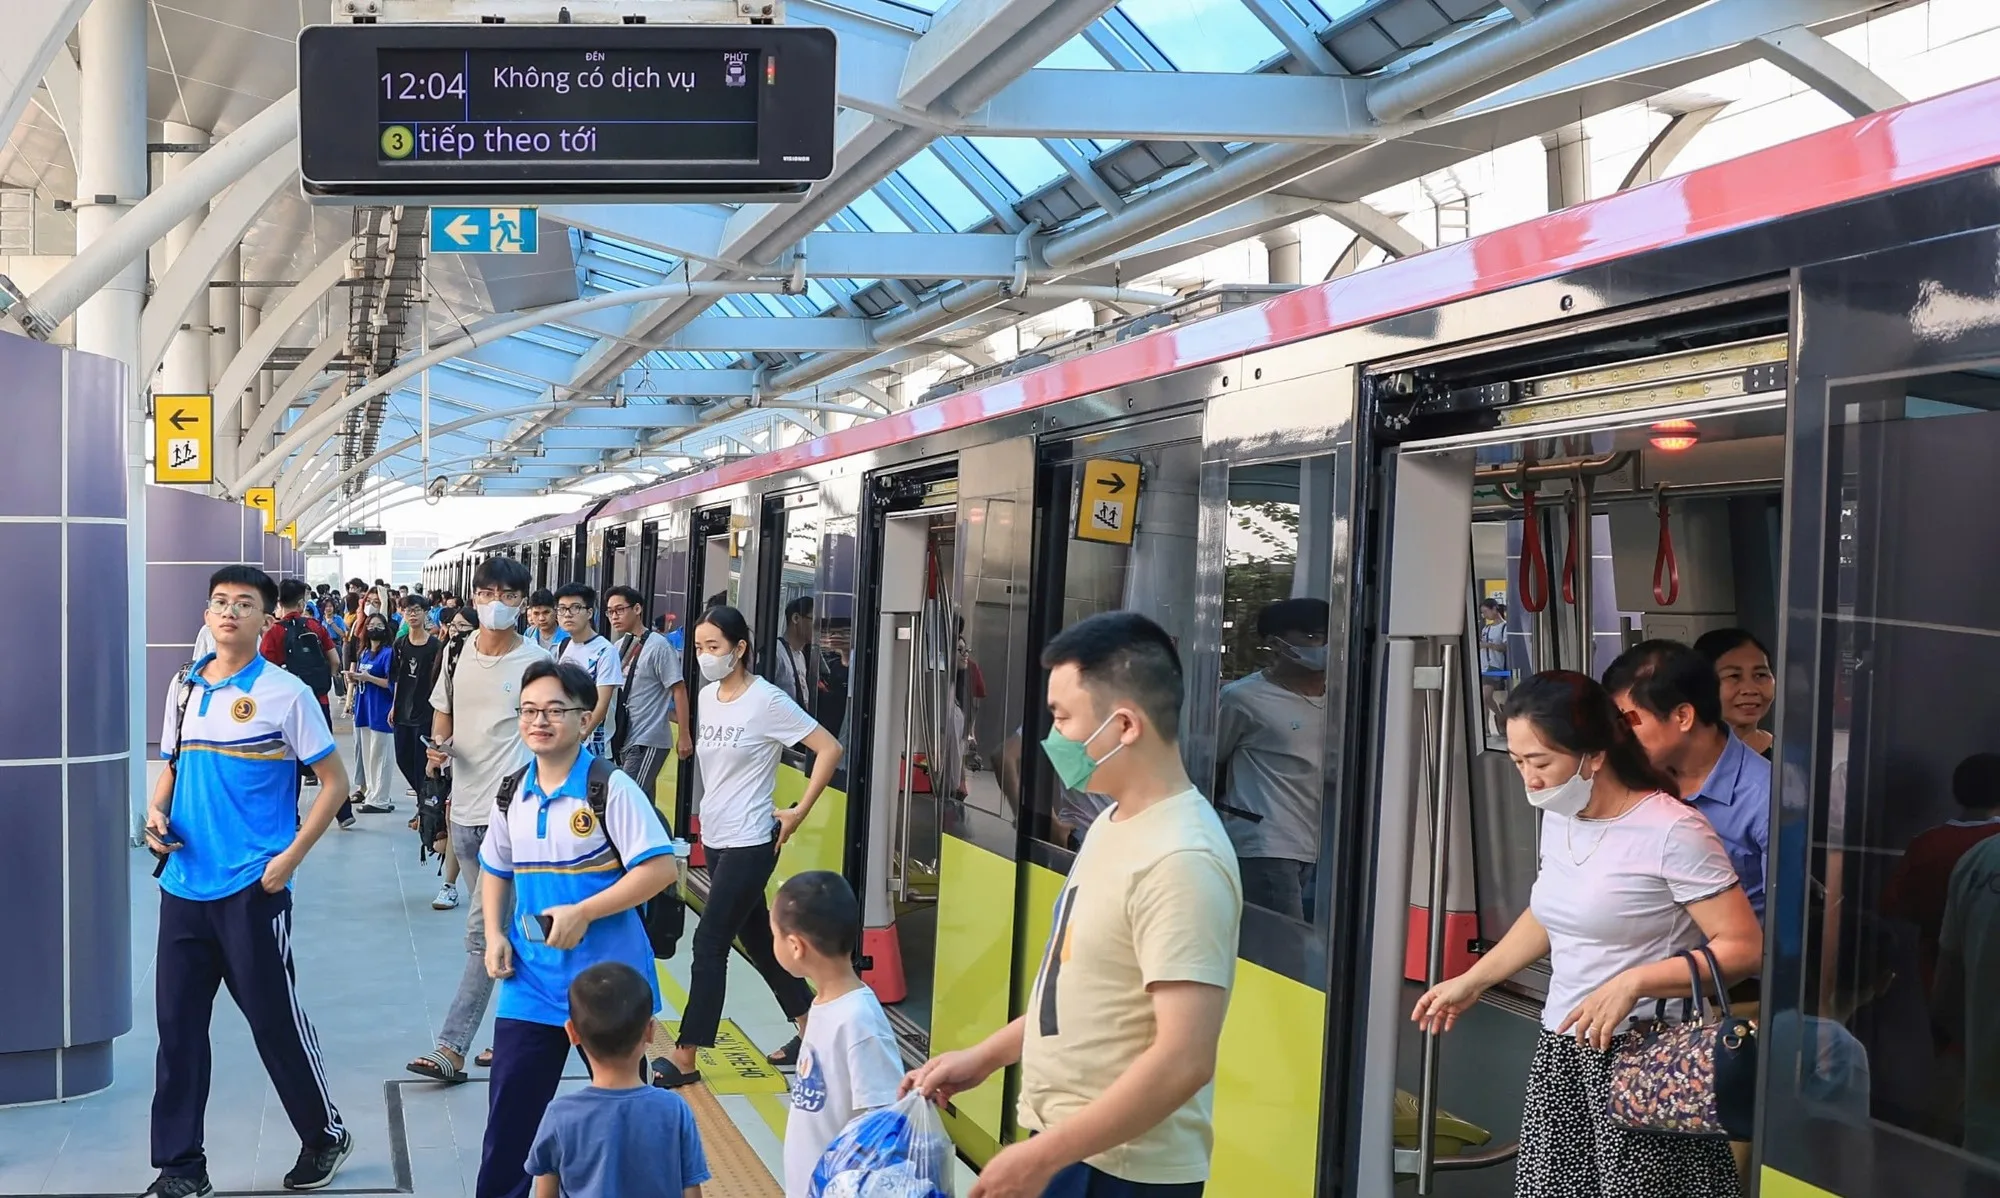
{"points": [[1178, 106], [568, 436], [1654, 160], [1828, 70], [37, 31], [744, 334]]}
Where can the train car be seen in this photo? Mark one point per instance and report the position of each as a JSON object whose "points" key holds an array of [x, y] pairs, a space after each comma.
{"points": [[449, 568], [1760, 395]]}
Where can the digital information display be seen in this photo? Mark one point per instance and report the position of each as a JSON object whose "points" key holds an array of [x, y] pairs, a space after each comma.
{"points": [[514, 111]]}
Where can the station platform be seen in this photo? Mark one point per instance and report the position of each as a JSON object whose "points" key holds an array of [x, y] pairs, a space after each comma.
{"points": [[376, 970]]}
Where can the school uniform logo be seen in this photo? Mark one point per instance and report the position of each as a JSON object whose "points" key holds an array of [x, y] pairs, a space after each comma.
{"points": [[243, 709], [581, 823], [809, 1088]]}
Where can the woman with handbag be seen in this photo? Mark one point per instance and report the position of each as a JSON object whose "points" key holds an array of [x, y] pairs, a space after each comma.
{"points": [[1630, 880]]}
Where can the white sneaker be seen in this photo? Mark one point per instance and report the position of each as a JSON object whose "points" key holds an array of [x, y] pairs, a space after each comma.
{"points": [[447, 898]]}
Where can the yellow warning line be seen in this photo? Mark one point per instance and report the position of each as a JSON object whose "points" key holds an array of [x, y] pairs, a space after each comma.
{"points": [[738, 1171]]}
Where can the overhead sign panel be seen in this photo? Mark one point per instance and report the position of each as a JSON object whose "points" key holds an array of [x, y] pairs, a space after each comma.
{"points": [[1107, 501], [183, 439], [503, 111], [484, 231], [265, 500]]}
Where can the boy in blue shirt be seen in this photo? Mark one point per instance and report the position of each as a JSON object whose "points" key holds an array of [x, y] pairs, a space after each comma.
{"points": [[223, 817], [619, 1137], [561, 876]]}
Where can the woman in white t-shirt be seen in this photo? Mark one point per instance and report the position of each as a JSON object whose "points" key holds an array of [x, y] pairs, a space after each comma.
{"points": [[1630, 877], [743, 724]]}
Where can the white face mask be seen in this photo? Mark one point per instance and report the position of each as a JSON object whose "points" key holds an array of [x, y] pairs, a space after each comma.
{"points": [[497, 615], [716, 667], [1564, 798]]}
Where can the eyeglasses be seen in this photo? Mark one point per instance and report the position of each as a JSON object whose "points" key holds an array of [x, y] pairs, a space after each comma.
{"points": [[489, 594], [239, 608], [620, 610], [570, 609], [546, 715]]}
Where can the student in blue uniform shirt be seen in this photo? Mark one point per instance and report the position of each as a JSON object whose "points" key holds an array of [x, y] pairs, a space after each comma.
{"points": [[224, 815], [560, 891]]}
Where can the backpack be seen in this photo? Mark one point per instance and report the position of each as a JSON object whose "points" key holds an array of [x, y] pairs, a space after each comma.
{"points": [[305, 655], [629, 650], [184, 683], [433, 814], [664, 915]]}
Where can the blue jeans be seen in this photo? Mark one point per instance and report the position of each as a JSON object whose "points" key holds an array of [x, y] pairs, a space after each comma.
{"points": [[1082, 1181]]}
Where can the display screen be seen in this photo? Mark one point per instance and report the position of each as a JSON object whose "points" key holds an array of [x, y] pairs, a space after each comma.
{"points": [[582, 105]]}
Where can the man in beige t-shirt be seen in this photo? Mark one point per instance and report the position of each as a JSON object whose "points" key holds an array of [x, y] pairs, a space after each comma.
{"points": [[1118, 1046]]}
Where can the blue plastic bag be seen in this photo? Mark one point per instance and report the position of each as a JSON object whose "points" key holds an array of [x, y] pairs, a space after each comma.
{"points": [[900, 1151]]}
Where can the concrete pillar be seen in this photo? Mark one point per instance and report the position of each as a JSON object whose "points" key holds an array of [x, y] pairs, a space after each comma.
{"points": [[1568, 151], [65, 752], [111, 162], [1284, 262], [225, 319], [184, 369], [248, 318]]}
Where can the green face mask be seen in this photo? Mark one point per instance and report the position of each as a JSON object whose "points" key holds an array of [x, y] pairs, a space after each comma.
{"points": [[1071, 758]]}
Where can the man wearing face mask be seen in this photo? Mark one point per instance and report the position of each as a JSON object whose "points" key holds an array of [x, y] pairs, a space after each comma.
{"points": [[1271, 726], [1118, 1046], [475, 729]]}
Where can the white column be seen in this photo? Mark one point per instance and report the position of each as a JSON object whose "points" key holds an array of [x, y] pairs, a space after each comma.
{"points": [[1568, 155], [225, 319], [111, 162], [1283, 256], [248, 318], [184, 370]]}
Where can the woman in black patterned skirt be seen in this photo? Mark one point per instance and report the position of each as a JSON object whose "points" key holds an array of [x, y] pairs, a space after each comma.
{"points": [[1630, 876]]}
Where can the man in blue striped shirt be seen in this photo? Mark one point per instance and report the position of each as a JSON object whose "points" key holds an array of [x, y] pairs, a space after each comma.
{"points": [[224, 818]]}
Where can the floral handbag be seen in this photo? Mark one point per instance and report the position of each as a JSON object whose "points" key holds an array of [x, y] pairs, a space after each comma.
{"points": [[1696, 1078]]}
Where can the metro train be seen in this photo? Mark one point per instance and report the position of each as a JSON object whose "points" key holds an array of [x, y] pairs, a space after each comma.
{"points": [[1764, 394]]}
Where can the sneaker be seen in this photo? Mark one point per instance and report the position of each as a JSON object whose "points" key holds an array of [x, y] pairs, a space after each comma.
{"points": [[447, 898], [316, 1166], [347, 823], [371, 807], [165, 1186]]}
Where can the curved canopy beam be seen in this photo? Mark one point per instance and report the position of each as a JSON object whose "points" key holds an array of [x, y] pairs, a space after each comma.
{"points": [[270, 332]]}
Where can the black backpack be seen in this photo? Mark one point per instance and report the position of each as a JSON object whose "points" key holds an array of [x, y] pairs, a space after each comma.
{"points": [[664, 915], [629, 651], [305, 655]]}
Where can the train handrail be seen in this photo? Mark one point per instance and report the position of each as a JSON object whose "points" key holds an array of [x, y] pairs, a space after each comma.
{"points": [[1440, 788], [1664, 559], [1534, 562]]}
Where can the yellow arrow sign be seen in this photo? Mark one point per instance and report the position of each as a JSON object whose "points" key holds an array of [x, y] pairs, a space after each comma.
{"points": [[1107, 501], [183, 439], [291, 531], [265, 500]]}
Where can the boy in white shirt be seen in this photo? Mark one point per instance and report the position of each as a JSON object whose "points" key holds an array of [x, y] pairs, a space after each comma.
{"points": [[848, 1060]]}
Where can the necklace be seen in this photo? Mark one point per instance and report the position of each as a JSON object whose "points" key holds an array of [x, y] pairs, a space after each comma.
{"points": [[1569, 834]]}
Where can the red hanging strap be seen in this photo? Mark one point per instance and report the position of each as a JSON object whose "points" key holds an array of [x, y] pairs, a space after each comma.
{"points": [[1666, 569], [1569, 553], [1534, 565]]}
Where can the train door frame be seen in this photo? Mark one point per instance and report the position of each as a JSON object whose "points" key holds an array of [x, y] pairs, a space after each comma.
{"points": [[1877, 320], [703, 524], [887, 494]]}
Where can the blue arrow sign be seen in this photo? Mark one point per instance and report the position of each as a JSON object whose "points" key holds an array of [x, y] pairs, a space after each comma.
{"points": [[483, 230]]}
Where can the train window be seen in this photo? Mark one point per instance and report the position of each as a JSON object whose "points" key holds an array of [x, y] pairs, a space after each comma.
{"points": [[1154, 575], [833, 618], [1901, 939], [1271, 724], [669, 585], [788, 641]]}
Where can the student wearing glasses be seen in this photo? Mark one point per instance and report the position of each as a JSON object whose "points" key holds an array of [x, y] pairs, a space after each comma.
{"points": [[475, 732], [596, 655]]}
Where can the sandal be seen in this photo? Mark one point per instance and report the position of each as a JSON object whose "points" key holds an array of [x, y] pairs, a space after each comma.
{"points": [[788, 1056], [484, 1060], [669, 1076], [438, 1067]]}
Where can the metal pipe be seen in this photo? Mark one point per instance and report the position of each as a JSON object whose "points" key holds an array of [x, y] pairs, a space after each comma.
{"points": [[483, 333], [1609, 463], [1441, 775], [128, 240], [1555, 27], [1586, 631], [1724, 490]]}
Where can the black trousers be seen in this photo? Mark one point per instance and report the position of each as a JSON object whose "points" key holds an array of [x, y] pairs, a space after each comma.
{"points": [[243, 942], [735, 911], [528, 1060], [410, 761]]}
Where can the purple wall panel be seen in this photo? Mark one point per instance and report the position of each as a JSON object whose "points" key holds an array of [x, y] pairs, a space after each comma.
{"points": [[34, 427], [31, 725], [96, 437], [98, 649], [267, 548], [100, 901], [31, 888], [186, 526], [175, 595]]}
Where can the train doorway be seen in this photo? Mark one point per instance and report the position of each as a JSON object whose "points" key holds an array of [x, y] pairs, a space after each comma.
{"points": [[1605, 500], [910, 735], [713, 579]]}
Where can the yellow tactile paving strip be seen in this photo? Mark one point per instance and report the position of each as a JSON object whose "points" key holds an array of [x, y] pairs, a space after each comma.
{"points": [[738, 1172]]}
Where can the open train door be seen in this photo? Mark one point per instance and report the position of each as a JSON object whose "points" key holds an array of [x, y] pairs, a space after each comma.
{"points": [[1880, 1052]]}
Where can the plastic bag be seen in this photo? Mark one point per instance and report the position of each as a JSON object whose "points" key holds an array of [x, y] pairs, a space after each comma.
{"points": [[900, 1151]]}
